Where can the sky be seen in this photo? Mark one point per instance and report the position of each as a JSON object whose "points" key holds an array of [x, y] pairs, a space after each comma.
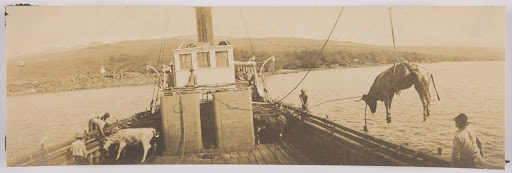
{"points": [[35, 29]]}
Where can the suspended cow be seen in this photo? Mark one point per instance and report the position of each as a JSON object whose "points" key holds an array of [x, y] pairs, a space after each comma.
{"points": [[387, 84]]}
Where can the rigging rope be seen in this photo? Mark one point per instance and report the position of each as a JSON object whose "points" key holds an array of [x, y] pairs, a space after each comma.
{"points": [[333, 101], [247, 30], [160, 57], [231, 107], [318, 57]]}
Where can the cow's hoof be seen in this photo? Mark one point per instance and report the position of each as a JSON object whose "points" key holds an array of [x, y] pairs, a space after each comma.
{"points": [[388, 120]]}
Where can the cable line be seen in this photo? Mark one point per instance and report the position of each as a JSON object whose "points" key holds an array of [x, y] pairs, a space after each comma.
{"points": [[318, 56]]}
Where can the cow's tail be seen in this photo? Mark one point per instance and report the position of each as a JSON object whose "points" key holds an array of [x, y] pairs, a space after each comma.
{"points": [[155, 133], [434, 83]]}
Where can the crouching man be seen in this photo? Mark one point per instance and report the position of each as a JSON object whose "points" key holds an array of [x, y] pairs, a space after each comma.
{"points": [[98, 123]]}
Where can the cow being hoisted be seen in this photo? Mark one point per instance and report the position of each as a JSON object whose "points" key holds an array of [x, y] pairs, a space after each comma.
{"points": [[387, 84]]}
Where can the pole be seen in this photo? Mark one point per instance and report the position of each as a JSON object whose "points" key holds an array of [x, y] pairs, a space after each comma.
{"points": [[365, 127]]}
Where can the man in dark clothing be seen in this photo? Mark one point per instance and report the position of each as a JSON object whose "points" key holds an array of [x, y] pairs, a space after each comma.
{"points": [[304, 99]]}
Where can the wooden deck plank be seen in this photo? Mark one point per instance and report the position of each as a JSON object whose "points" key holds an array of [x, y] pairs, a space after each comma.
{"points": [[279, 155], [187, 159], [232, 161], [259, 158], [273, 154], [173, 160], [194, 159], [287, 155], [269, 157], [206, 161], [233, 154], [300, 159], [198, 160], [243, 154], [243, 158], [218, 161], [251, 158], [225, 155]]}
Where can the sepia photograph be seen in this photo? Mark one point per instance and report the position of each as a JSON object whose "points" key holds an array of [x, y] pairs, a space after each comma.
{"points": [[404, 86]]}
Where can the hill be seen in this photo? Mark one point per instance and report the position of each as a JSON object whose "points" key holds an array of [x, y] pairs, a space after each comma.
{"points": [[291, 53]]}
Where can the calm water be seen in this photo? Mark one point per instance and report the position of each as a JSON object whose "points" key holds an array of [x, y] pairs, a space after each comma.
{"points": [[474, 88], [60, 115]]}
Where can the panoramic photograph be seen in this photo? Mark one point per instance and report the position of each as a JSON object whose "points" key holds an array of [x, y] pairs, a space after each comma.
{"points": [[366, 86]]}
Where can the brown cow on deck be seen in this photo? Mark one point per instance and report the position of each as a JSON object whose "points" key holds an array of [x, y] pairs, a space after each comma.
{"points": [[387, 84]]}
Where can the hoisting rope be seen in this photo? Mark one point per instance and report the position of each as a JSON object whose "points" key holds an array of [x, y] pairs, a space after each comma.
{"points": [[318, 57], [333, 101], [394, 45]]}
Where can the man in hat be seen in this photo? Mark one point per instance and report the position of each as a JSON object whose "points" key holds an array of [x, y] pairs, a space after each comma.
{"points": [[98, 123], [192, 79], [467, 148], [79, 151], [304, 99]]}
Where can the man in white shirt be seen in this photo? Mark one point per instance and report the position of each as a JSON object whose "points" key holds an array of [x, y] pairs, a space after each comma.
{"points": [[79, 150], [467, 148]]}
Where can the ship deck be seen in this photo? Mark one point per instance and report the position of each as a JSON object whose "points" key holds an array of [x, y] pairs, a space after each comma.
{"points": [[263, 154]]}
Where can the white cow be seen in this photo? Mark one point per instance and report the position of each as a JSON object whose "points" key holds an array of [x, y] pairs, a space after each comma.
{"points": [[131, 137]]}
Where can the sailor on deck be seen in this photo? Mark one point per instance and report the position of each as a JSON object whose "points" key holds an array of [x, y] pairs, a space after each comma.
{"points": [[304, 99], [79, 150], [192, 79], [467, 148]]}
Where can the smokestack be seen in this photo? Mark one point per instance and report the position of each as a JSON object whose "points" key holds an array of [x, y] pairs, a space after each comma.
{"points": [[204, 24]]}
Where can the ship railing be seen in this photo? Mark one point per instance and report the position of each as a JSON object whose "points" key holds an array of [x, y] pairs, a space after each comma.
{"points": [[60, 154], [398, 153]]}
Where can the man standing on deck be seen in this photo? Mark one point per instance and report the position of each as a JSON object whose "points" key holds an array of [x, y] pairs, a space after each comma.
{"points": [[98, 123], [467, 149], [79, 150], [304, 99], [192, 79]]}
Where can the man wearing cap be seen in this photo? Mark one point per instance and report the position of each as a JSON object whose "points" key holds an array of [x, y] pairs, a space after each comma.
{"points": [[304, 99], [79, 151], [98, 123], [192, 79], [467, 148]]}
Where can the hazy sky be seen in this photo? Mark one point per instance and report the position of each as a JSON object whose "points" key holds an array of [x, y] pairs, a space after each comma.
{"points": [[32, 29]]}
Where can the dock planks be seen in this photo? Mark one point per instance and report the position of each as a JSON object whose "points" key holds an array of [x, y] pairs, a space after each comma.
{"points": [[263, 154]]}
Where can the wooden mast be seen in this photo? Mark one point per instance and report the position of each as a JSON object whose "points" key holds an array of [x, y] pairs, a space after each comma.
{"points": [[204, 24]]}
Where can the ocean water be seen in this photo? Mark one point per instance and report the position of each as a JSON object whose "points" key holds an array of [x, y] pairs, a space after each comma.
{"points": [[56, 117], [474, 88]]}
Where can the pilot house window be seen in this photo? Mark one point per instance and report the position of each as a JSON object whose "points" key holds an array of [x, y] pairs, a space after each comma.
{"points": [[185, 61], [203, 59], [221, 58]]}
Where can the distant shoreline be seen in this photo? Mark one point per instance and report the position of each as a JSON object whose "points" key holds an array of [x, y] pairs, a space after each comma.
{"points": [[22, 87]]}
